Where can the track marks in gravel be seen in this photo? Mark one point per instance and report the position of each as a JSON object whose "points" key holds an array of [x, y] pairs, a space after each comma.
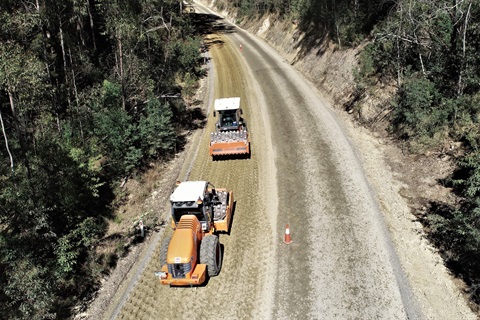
{"points": [[235, 293], [338, 266]]}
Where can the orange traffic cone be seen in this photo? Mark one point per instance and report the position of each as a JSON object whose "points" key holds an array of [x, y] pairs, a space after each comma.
{"points": [[287, 238]]}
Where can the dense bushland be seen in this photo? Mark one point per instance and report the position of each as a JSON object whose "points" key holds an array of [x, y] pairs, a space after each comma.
{"points": [[346, 22], [428, 50], [83, 88]]}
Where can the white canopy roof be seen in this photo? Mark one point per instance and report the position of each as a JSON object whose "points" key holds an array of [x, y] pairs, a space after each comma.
{"points": [[189, 191], [227, 104]]}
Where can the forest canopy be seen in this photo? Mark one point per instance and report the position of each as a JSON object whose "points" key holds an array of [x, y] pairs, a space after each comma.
{"points": [[81, 107]]}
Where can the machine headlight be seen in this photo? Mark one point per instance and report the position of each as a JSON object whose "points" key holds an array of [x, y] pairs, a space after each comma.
{"points": [[162, 275]]}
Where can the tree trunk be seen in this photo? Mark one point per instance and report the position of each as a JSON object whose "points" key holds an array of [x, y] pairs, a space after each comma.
{"points": [[20, 139], [120, 60], [65, 72], [64, 56], [80, 29], [75, 91], [92, 26], [6, 142], [74, 82], [464, 45], [45, 37], [455, 32]]}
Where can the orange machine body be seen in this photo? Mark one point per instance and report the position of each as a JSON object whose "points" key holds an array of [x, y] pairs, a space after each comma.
{"points": [[192, 221], [231, 135], [229, 147], [183, 267]]}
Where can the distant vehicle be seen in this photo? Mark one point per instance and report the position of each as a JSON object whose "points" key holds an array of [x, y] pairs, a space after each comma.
{"points": [[231, 135], [199, 211]]}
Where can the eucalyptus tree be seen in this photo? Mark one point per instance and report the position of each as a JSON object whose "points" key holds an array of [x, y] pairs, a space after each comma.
{"points": [[80, 107]]}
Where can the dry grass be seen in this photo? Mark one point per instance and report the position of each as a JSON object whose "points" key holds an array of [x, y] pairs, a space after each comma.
{"points": [[136, 200]]}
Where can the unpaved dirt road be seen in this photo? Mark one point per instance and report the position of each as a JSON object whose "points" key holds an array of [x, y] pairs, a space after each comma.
{"points": [[305, 172], [249, 251]]}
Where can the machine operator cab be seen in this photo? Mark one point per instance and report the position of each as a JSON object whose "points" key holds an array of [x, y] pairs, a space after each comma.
{"points": [[229, 112], [194, 198]]}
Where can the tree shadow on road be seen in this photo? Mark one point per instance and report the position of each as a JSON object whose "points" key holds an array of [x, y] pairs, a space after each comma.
{"points": [[206, 23]]}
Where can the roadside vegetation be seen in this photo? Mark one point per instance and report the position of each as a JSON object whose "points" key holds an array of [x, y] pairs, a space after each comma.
{"points": [[90, 94], [428, 52]]}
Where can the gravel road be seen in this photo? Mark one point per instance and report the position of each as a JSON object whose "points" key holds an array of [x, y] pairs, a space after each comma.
{"points": [[342, 263], [304, 171]]}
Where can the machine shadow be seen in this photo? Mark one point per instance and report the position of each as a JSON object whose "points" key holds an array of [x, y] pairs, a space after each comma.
{"points": [[244, 156]]}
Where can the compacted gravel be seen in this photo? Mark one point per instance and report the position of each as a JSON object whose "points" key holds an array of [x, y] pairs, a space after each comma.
{"points": [[304, 171]]}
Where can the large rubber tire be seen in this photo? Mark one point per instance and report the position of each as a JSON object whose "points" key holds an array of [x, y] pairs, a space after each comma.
{"points": [[164, 251], [211, 254]]}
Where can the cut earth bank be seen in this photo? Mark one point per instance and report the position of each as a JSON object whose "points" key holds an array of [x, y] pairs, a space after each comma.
{"points": [[402, 182]]}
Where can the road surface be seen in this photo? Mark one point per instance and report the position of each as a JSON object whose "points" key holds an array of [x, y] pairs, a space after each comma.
{"points": [[303, 171]]}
